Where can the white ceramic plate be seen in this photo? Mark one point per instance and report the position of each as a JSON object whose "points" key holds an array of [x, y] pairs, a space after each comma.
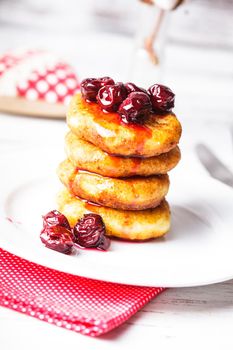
{"points": [[197, 251]]}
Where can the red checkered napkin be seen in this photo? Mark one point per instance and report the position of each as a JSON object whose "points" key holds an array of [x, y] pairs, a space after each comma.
{"points": [[83, 305], [37, 75]]}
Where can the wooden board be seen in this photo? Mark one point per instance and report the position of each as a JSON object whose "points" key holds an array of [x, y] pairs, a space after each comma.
{"points": [[21, 106]]}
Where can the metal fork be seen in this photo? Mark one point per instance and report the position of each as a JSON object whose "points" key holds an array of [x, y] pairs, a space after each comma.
{"points": [[215, 167]]}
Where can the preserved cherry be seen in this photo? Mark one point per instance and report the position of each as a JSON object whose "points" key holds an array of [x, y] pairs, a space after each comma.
{"points": [[162, 98], [90, 231], [135, 107], [57, 238]]}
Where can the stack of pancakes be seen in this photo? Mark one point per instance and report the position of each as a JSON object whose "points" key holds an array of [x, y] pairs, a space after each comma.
{"points": [[118, 170]]}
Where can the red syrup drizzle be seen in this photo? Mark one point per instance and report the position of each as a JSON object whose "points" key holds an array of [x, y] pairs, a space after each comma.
{"points": [[100, 115], [117, 162], [136, 164], [85, 201], [83, 171], [70, 185], [88, 204], [107, 120], [141, 134]]}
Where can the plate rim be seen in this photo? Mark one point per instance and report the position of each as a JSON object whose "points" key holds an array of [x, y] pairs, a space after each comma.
{"points": [[99, 276]]}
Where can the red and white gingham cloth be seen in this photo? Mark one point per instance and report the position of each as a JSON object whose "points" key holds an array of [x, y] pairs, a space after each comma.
{"points": [[83, 305], [55, 84], [37, 75]]}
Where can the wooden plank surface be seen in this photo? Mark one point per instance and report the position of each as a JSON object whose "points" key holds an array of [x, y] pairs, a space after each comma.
{"points": [[199, 68], [192, 317]]}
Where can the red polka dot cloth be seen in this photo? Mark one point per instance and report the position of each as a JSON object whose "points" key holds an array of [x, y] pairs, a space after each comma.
{"points": [[37, 76], [83, 305]]}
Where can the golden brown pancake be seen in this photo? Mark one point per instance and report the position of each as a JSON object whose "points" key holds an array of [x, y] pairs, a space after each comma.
{"points": [[135, 193], [133, 225], [158, 134], [87, 156]]}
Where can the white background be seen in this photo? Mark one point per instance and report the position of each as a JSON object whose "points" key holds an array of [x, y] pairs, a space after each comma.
{"points": [[198, 66]]}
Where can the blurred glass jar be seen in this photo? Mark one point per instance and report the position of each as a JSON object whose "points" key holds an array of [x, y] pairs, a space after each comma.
{"points": [[151, 38]]}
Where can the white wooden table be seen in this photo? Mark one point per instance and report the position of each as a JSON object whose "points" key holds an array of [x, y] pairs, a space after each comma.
{"points": [[190, 318], [200, 317]]}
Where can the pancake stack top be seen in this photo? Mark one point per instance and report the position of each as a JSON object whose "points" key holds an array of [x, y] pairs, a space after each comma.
{"points": [[121, 144]]}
